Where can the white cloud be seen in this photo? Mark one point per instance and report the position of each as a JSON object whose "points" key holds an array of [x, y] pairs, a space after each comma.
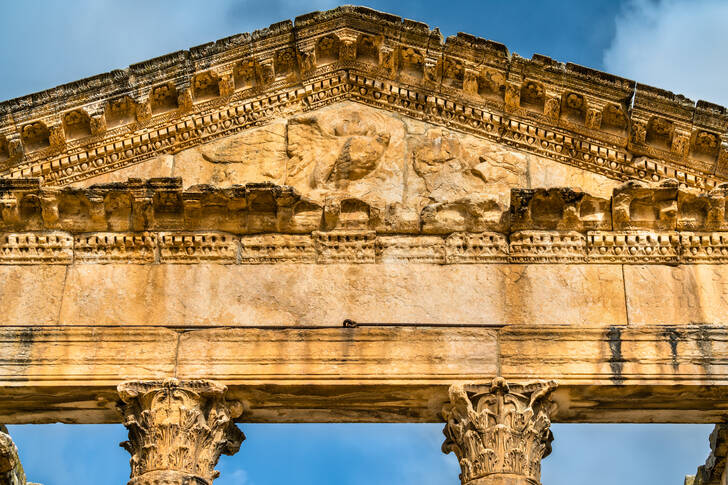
{"points": [[238, 477], [678, 45]]}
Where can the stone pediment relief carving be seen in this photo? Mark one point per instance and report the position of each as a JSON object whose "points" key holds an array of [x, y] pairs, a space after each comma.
{"points": [[349, 150], [560, 112]]}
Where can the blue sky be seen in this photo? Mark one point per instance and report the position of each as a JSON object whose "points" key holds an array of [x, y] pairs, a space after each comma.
{"points": [[678, 45], [374, 454]]}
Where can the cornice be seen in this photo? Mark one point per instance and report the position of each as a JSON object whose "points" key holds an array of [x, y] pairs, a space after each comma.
{"points": [[568, 113], [156, 221]]}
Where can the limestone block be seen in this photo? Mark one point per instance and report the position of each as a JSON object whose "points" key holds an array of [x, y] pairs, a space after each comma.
{"points": [[64, 353], [351, 355], [283, 294], [307, 294], [676, 295], [31, 295], [564, 294]]}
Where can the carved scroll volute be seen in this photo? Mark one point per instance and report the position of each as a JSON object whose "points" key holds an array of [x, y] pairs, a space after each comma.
{"points": [[499, 432], [177, 430]]}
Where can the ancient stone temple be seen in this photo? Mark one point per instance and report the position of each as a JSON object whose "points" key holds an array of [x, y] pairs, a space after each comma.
{"points": [[347, 218]]}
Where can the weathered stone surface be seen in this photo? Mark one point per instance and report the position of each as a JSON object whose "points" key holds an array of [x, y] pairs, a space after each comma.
{"points": [[274, 295], [342, 217], [11, 470], [177, 430], [682, 295], [19, 286], [52, 354], [257, 155], [361, 354], [499, 432], [351, 150], [281, 294], [545, 294], [547, 174], [619, 374], [713, 472], [161, 166]]}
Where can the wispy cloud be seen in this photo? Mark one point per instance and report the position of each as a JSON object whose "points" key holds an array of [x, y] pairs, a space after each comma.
{"points": [[238, 477], [678, 45]]}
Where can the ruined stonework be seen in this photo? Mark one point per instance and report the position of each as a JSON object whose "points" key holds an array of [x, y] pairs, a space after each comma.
{"points": [[334, 220], [177, 430], [713, 472], [11, 471], [499, 432]]}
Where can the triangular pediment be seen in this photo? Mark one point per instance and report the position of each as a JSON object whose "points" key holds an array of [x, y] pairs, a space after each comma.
{"points": [[231, 99], [350, 150]]}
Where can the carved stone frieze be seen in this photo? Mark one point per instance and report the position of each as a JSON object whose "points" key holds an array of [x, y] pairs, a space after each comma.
{"points": [[410, 249], [186, 247], [703, 211], [115, 247], [36, 248], [277, 248], [499, 432], [345, 246], [177, 430], [704, 247], [547, 247], [485, 247], [639, 206], [636, 247], [155, 221], [558, 209]]}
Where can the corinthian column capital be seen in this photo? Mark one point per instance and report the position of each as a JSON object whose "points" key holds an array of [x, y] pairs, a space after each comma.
{"points": [[499, 432], [177, 430]]}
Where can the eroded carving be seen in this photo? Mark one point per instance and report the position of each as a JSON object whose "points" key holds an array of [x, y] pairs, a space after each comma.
{"points": [[11, 470], [547, 247], [185, 247], [637, 205], [558, 209], [36, 248], [113, 247], [499, 432], [336, 150], [713, 471], [633, 247], [177, 430]]}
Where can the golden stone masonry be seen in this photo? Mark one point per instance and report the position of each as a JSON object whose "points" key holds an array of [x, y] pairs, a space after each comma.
{"points": [[347, 218]]}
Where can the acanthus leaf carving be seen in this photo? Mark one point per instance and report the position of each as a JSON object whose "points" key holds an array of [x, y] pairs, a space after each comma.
{"points": [[499, 432], [177, 430]]}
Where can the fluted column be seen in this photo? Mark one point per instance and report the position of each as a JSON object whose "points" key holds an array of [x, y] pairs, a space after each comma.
{"points": [[177, 430], [499, 432]]}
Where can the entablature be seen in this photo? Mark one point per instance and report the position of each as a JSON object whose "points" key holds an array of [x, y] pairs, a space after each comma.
{"points": [[155, 220]]}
